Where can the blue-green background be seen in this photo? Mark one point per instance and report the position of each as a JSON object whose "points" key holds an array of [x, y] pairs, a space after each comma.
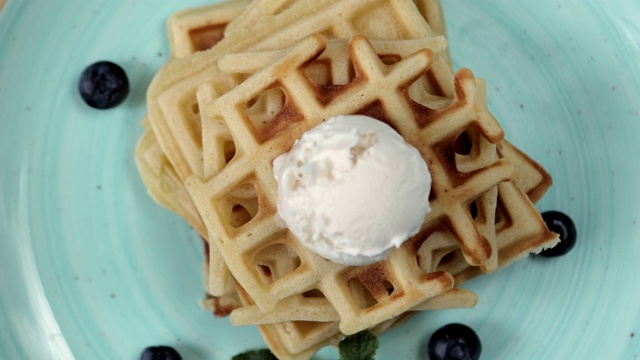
{"points": [[91, 268]]}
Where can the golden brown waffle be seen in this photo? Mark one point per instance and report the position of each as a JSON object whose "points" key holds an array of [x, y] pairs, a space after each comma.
{"points": [[313, 324], [378, 91], [301, 338]]}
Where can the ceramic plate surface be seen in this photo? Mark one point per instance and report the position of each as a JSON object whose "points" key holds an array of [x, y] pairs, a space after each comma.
{"points": [[92, 268]]}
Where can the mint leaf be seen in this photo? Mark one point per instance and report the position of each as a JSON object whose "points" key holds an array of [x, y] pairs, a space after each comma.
{"points": [[262, 354], [359, 346]]}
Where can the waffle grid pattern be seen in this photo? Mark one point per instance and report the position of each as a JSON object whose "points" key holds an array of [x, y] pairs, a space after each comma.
{"points": [[240, 246]]}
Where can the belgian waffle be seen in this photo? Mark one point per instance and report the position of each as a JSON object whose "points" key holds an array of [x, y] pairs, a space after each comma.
{"points": [[381, 92], [318, 322], [375, 285]]}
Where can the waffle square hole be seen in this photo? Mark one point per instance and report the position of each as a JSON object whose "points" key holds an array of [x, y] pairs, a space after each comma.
{"points": [[219, 146], [276, 261], [370, 285], [389, 59], [205, 37], [319, 72], [240, 206], [389, 287], [473, 151], [463, 144], [435, 250], [473, 210], [269, 113], [310, 329], [328, 73], [426, 91], [313, 293], [447, 257], [264, 107], [229, 150], [361, 295]]}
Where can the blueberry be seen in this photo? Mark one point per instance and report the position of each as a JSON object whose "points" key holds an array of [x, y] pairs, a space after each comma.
{"points": [[160, 352], [562, 225], [454, 342], [103, 85]]}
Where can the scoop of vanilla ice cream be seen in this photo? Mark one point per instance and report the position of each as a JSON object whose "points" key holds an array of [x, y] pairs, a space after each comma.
{"points": [[351, 189]]}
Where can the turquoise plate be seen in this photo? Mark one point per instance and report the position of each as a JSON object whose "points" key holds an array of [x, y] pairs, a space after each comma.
{"points": [[92, 268]]}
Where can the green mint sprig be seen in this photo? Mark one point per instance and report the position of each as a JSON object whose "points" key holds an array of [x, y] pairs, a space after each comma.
{"points": [[359, 346]]}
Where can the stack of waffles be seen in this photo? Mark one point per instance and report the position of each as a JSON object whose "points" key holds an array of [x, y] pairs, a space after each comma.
{"points": [[248, 78]]}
